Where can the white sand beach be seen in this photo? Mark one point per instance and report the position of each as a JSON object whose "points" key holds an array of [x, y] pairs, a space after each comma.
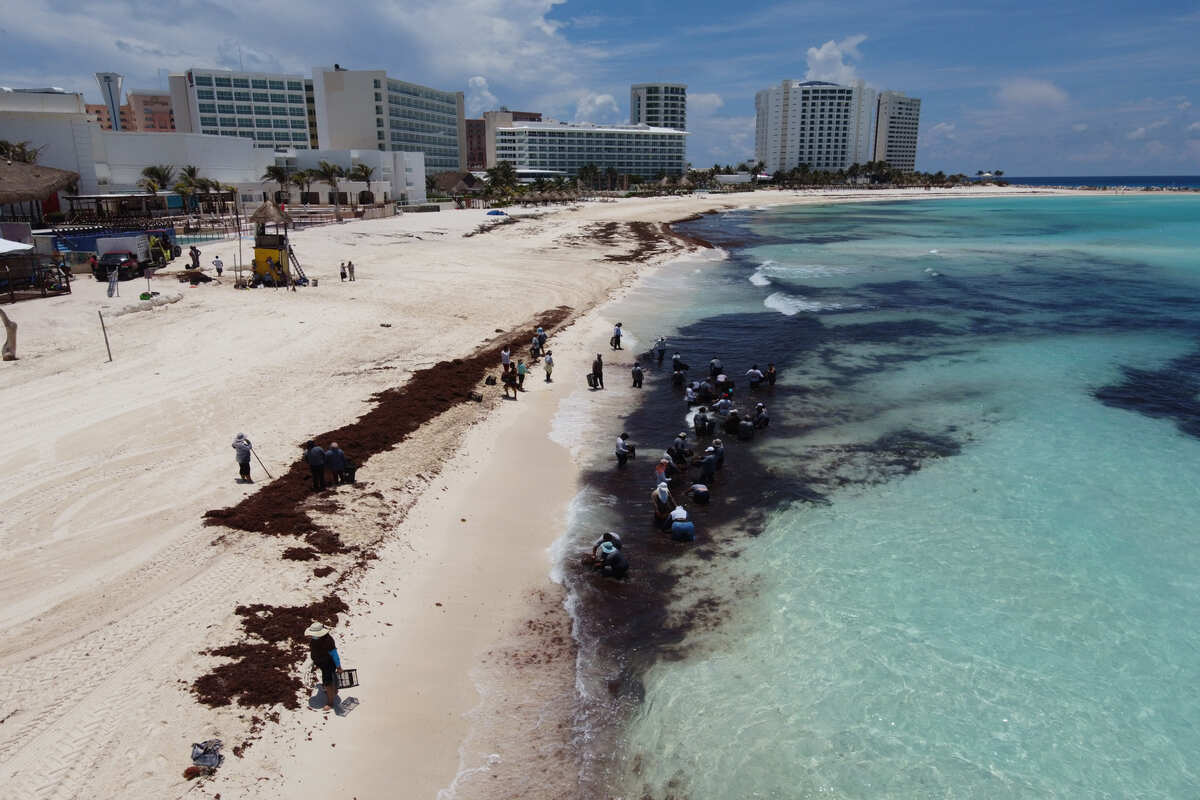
{"points": [[112, 586]]}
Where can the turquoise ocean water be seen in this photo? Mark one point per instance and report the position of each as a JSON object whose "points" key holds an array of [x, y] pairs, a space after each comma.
{"points": [[964, 561]]}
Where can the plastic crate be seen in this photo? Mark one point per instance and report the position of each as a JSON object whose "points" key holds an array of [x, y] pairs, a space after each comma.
{"points": [[347, 679]]}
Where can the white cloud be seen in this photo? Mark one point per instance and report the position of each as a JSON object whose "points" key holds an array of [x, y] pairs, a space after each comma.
{"points": [[1079, 127], [828, 62], [940, 131], [479, 97], [593, 107], [702, 104], [1032, 93], [1184, 105], [1194, 127], [1141, 133]]}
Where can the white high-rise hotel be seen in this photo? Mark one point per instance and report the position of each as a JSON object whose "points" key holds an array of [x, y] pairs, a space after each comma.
{"points": [[829, 127], [659, 105]]}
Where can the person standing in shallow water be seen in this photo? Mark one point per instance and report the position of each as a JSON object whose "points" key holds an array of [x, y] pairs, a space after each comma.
{"points": [[638, 375], [325, 658]]}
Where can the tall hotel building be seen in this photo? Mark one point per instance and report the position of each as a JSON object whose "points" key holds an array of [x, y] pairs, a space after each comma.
{"points": [[659, 105], [271, 109], [821, 124], [365, 109], [566, 146], [897, 121]]}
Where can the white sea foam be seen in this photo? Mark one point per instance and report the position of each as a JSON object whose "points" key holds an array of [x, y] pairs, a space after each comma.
{"points": [[790, 305], [759, 277]]}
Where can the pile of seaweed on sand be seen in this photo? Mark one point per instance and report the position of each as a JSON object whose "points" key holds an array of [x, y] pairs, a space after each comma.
{"points": [[263, 669]]}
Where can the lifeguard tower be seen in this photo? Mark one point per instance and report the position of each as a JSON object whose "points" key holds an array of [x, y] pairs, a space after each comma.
{"points": [[274, 263]]}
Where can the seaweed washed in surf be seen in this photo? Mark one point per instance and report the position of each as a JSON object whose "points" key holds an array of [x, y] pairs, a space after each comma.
{"points": [[956, 564]]}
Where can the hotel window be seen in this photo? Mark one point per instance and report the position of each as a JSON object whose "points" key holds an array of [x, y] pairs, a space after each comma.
{"points": [[258, 84], [225, 82], [280, 123], [208, 120], [262, 97], [205, 94], [295, 86], [296, 98], [228, 122], [296, 112], [276, 85], [279, 111], [241, 83], [376, 82], [210, 131], [262, 123], [246, 134], [226, 109], [224, 95], [209, 108], [243, 96], [299, 137], [278, 98], [299, 123], [245, 110], [245, 122], [203, 80], [263, 137], [282, 137]]}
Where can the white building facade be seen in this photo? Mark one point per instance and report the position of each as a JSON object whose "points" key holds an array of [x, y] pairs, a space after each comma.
{"points": [[366, 109], [270, 110], [567, 146], [659, 105], [897, 121], [824, 125]]}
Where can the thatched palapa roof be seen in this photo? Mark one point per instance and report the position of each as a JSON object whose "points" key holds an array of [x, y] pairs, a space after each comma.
{"points": [[270, 212], [20, 183]]}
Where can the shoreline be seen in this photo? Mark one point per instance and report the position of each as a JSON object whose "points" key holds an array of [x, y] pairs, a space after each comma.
{"points": [[165, 561]]}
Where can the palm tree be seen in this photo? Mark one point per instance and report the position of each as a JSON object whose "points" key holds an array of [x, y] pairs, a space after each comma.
{"points": [[330, 174], [501, 179], [302, 180], [363, 173], [276, 174], [22, 152], [611, 176], [156, 177]]}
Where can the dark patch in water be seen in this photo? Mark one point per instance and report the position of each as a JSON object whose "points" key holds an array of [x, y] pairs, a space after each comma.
{"points": [[1171, 392]]}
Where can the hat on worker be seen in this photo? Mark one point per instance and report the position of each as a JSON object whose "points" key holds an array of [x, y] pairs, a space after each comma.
{"points": [[679, 513], [316, 631]]}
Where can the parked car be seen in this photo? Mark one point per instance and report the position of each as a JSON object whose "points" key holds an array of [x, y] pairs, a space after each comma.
{"points": [[125, 263]]}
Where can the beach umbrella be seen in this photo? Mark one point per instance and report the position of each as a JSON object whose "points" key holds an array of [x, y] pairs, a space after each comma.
{"points": [[7, 246]]}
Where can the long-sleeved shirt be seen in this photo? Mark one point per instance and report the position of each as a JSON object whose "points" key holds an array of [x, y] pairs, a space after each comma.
{"points": [[335, 459], [622, 446], [242, 448], [324, 652], [315, 456]]}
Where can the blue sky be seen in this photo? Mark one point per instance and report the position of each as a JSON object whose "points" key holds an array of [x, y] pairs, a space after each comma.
{"points": [[1034, 88]]}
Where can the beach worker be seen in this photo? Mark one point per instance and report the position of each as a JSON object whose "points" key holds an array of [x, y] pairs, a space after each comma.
{"points": [[708, 465], [335, 461], [699, 493], [325, 658], [541, 337], [677, 363], [664, 504], [218, 265], [509, 379], [714, 367], [732, 422], [624, 450], [681, 447], [350, 270], [724, 405], [682, 530], [755, 376], [610, 561], [660, 348], [771, 374], [616, 337], [535, 349], [598, 371], [315, 457], [761, 418], [677, 379], [194, 252], [705, 391], [505, 356], [342, 270], [610, 537], [521, 370], [719, 451], [701, 422], [241, 452], [638, 375], [745, 431], [548, 364], [689, 396]]}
